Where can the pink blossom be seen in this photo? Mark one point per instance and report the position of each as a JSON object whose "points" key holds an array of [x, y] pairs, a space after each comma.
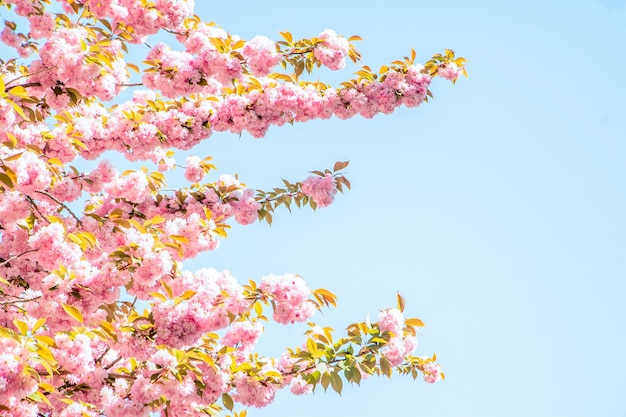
{"points": [[246, 208], [261, 56], [9, 37], [321, 189], [395, 351], [290, 294], [333, 50], [243, 334], [41, 26], [251, 392], [133, 187], [299, 386], [391, 320], [69, 275], [432, 373], [450, 71], [193, 170]]}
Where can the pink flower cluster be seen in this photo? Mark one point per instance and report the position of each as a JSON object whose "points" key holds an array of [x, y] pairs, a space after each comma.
{"points": [[193, 170], [450, 71], [251, 392], [13, 384], [299, 386], [321, 189], [69, 272], [144, 19], [391, 320], [246, 208], [290, 294], [333, 50], [243, 335], [216, 296], [399, 345], [31, 170], [432, 373], [176, 75], [261, 55], [65, 64]]}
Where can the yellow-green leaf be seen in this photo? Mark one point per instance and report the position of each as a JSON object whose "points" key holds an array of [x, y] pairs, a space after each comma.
{"points": [[414, 322], [228, 401], [158, 296], [73, 312], [401, 302], [21, 326]]}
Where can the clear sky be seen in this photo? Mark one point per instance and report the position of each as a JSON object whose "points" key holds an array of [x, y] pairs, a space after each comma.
{"points": [[497, 209]]}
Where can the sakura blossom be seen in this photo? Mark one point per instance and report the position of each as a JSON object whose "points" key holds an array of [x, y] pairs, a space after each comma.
{"points": [[100, 314]]}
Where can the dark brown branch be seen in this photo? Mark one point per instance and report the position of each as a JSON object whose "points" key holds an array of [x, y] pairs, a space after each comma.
{"points": [[34, 205], [18, 300], [6, 90], [12, 258], [56, 200], [109, 366]]}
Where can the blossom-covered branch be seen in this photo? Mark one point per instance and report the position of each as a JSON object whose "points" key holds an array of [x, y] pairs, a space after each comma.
{"points": [[98, 315]]}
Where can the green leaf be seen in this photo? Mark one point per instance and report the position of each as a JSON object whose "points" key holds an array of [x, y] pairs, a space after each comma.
{"points": [[336, 382], [228, 401], [325, 381], [6, 180], [385, 366]]}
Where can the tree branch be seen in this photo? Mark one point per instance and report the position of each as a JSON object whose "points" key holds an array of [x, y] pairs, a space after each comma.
{"points": [[12, 258], [34, 205], [56, 200], [18, 300]]}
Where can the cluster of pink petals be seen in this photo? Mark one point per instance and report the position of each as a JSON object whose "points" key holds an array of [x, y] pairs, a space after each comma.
{"points": [[432, 373], [321, 189], [186, 125], [13, 360], [145, 20], [399, 345], [261, 55], [63, 64], [193, 170], [290, 294], [299, 386], [251, 392], [449, 71], [243, 335], [333, 50], [132, 235], [391, 320]]}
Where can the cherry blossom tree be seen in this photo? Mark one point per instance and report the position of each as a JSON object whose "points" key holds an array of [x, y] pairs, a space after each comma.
{"points": [[98, 315]]}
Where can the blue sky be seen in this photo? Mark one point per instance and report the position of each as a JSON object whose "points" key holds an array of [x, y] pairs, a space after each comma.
{"points": [[497, 209]]}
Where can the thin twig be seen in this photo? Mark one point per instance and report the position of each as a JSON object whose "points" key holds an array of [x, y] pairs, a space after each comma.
{"points": [[121, 376], [102, 355], [12, 258], [34, 205], [29, 75], [37, 84], [109, 366], [56, 200], [19, 300]]}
